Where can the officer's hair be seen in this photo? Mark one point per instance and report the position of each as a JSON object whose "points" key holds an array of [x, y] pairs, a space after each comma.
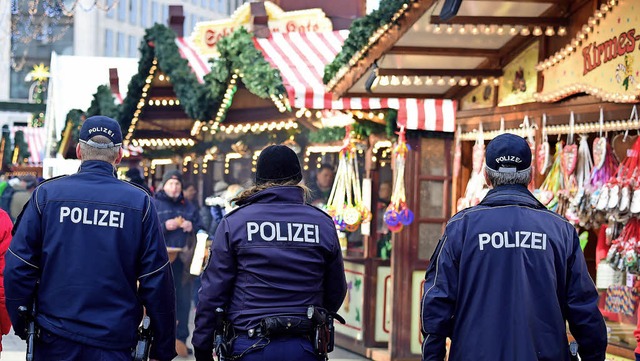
{"points": [[108, 155], [258, 188], [522, 177]]}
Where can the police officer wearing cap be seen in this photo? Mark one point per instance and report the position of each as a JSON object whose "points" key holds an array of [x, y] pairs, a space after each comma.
{"points": [[272, 255], [88, 248], [508, 274]]}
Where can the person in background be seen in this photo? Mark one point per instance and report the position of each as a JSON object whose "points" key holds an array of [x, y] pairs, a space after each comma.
{"points": [[5, 240], [22, 194], [180, 220], [321, 187], [190, 192], [508, 275], [252, 277], [89, 254]]}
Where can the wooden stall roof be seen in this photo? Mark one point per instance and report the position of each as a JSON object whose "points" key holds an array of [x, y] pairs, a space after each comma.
{"points": [[423, 52]]}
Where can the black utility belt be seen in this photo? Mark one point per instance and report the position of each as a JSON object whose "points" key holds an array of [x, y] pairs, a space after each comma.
{"points": [[282, 325]]}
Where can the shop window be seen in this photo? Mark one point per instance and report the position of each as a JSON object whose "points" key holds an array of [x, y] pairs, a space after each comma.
{"points": [[429, 235], [144, 13], [122, 10], [433, 157], [431, 199]]}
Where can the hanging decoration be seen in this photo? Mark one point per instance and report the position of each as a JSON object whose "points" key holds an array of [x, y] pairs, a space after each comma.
{"points": [[578, 209], [345, 203], [547, 194], [398, 214], [476, 187], [542, 155]]}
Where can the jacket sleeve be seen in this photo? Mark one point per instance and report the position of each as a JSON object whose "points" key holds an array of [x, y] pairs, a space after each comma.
{"points": [[585, 320], [22, 269], [156, 288], [335, 283], [438, 300], [5, 239], [217, 285]]}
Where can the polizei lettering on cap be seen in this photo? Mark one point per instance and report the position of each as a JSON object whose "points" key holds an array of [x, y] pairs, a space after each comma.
{"points": [[508, 158], [96, 217], [518, 239], [101, 130], [283, 232]]}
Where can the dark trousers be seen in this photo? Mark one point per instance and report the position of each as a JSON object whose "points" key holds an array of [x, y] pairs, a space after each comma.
{"points": [[50, 347], [183, 298], [275, 349]]}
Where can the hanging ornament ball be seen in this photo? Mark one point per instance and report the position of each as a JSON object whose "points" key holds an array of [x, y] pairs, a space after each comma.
{"points": [[365, 213], [351, 216], [397, 228], [339, 222], [405, 216], [352, 227], [391, 218], [331, 210]]}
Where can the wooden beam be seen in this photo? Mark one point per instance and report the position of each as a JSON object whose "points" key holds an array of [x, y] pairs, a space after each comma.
{"points": [[442, 72], [415, 11], [502, 20], [466, 52]]}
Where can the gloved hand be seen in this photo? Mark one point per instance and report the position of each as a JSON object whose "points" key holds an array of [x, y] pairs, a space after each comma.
{"points": [[203, 354]]}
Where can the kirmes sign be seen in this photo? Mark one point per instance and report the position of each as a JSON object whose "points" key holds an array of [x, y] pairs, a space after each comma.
{"points": [[602, 60]]}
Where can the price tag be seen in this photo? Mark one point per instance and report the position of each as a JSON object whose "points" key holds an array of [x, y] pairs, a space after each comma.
{"points": [[631, 279]]}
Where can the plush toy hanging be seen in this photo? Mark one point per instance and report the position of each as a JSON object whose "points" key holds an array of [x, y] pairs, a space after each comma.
{"points": [[398, 214], [345, 201]]}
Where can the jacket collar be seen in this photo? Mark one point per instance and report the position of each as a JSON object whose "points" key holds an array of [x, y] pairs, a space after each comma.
{"points": [[512, 194], [163, 196], [97, 166], [287, 194]]}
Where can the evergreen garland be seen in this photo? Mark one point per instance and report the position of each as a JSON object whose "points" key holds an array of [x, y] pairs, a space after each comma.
{"points": [[196, 99], [360, 32], [103, 103], [238, 51], [74, 117]]}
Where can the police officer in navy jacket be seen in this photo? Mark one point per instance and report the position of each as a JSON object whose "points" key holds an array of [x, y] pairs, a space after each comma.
{"points": [[272, 255], [89, 249], [507, 274]]}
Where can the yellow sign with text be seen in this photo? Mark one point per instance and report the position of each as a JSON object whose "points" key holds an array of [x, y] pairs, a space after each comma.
{"points": [[604, 60], [207, 34]]}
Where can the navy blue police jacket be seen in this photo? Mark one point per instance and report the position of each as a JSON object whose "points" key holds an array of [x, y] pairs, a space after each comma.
{"points": [[81, 246], [274, 254], [503, 279], [169, 208]]}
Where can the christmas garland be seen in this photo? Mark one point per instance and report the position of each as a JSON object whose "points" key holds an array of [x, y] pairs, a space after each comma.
{"points": [[197, 100], [20, 145], [8, 149], [360, 32], [74, 117], [238, 51], [103, 103]]}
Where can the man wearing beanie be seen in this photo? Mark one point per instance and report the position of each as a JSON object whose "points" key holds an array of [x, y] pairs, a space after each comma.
{"points": [[272, 255], [508, 274], [180, 221], [89, 253]]}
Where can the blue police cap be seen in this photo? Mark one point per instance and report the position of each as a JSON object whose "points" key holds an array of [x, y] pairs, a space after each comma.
{"points": [[101, 125], [508, 153]]}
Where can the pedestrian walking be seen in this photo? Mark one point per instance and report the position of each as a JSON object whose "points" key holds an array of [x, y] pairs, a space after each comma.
{"points": [[89, 252], [180, 221], [508, 274], [271, 258]]}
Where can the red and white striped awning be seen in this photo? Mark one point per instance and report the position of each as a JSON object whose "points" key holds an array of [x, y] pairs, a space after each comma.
{"points": [[199, 63], [35, 138], [301, 58]]}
